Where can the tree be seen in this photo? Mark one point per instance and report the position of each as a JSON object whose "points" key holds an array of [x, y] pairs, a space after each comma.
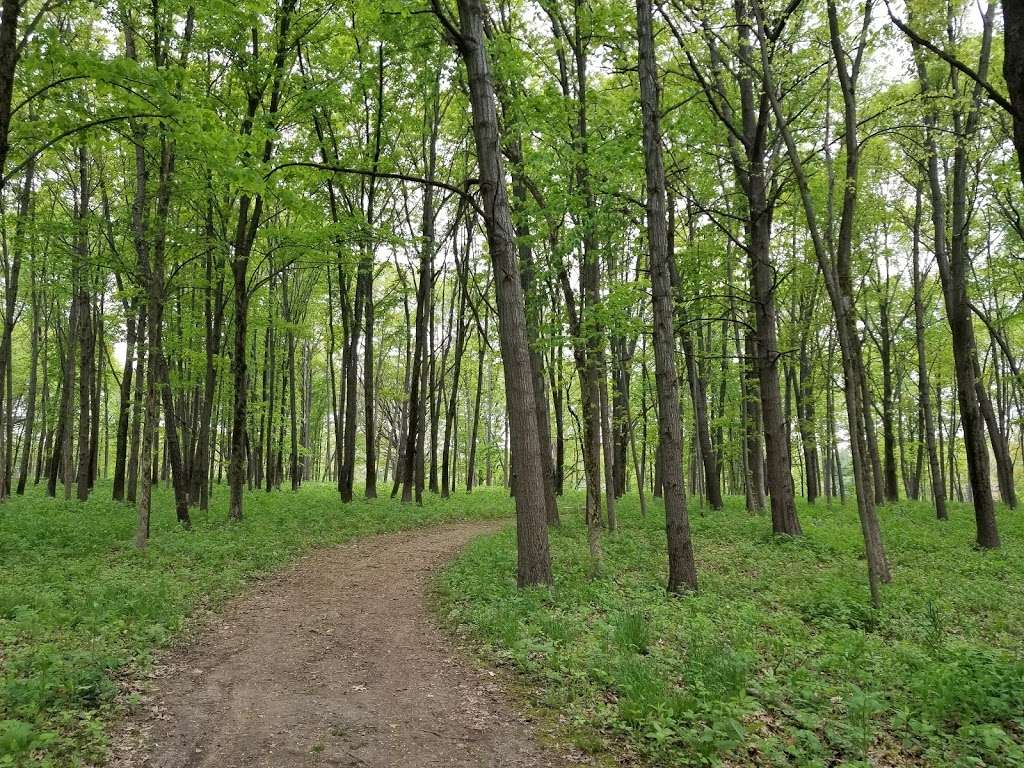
{"points": [[682, 572]]}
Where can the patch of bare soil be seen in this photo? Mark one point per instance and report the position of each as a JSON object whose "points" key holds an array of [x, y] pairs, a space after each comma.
{"points": [[335, 662]]}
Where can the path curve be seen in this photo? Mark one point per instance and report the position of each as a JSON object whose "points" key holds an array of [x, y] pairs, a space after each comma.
{"points": [[334, 662]]}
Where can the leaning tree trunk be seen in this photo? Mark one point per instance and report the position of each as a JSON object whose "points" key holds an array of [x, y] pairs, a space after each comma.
{"points": [[533, 561], [999, 441], [842, 306]]}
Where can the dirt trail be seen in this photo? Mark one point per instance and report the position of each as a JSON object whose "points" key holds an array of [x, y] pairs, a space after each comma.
{"points": [[335, 662]]}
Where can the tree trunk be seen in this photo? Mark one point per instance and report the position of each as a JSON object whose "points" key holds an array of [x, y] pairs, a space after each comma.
{"points": [[137, 405], [121, 438], [923, 386], [214, 310], [681, 567], [413, 438], [1013, 71], [11, 280], [247, 225], [534, 563], [699, 397], [834, 274], [888, 428], [953, 268], [533, 310], [475, 431], [30, 397], [10, 51], [369, 388], [83, 313]]}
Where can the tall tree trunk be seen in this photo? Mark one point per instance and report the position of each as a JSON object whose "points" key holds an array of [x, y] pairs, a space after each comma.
{"points": [[777, 460], [84, 337], [149, 439], [369, 389], [835, 277], [239, 368], [350, 371], [461, 267], [293, 453], [413, 438], [557, 399], [533, 330], [12, 278], [137, 406], [758, 229], [699, 397], [124, 412], [888, 417], [30, 396], [621, 357], [1013, 72], [247, 225], [475, 431], [806, 421], [214, 311], [682, 571], [533, 557], [10, 51], [923, 386], [953, 262]]}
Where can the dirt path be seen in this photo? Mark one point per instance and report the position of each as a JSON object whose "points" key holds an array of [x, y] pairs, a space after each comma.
{"points": [[336, 662]]}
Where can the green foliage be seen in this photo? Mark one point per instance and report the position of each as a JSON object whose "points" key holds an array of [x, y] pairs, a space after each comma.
{"points": [[80, 607], [779, 660]]}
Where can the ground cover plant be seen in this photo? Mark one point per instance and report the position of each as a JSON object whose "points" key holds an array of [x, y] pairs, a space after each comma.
{"points": [[780, 659], [80, 605]]}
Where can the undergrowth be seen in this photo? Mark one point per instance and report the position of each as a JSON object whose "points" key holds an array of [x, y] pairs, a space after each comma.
{"points": [[80, 606], [779, 659]]}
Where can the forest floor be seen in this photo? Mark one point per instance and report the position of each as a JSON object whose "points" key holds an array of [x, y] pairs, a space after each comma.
{"points": [[334, 662], [84, 615], [779, 660]]}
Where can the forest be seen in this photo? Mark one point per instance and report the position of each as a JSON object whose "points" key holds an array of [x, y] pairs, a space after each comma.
{"points": [[684, 339]]}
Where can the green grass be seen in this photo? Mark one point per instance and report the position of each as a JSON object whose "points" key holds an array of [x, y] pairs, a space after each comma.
{"points": [[779, 660], [80, 607]]}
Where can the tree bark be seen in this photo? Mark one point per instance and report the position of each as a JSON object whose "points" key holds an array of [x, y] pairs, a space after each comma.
{"points": [[953, 262], [533, 557], [682, 569], [30, 397], [11, 284], [83, 313], [923, 385]]}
